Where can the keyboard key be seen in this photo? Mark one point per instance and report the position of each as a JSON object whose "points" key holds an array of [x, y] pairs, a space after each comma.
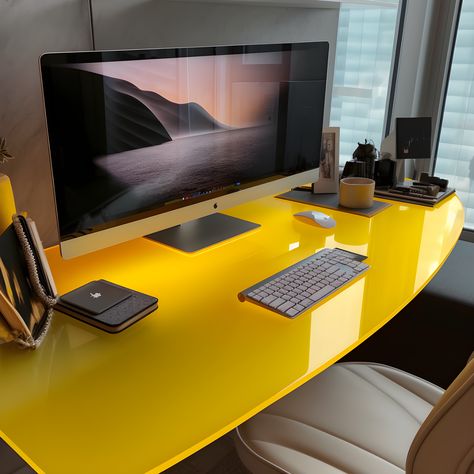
{"points": [[321, 293], [285, 306], [268, 299], [277, 302], [291, 312], [306, 302]]}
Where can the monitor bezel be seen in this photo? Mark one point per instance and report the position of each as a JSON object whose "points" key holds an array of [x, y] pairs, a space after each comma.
{"points": [[142, 226]]}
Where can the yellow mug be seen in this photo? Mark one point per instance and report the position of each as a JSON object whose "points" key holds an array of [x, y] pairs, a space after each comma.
{"points": [[356, 193]]}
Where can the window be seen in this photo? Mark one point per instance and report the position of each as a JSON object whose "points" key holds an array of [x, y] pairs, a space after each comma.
{"points": [[365, 43], [455, 157]]}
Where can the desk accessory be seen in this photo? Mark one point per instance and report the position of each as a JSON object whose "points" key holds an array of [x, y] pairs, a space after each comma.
{"points": [[385, 173], [412, 141], [331, 201], [413, 138], [329, 162], [356, 193], [367, 153], [425, 178], [414, 194], [318, 218], [27, 290], [297, 288], [107, 306], [354, 169]]}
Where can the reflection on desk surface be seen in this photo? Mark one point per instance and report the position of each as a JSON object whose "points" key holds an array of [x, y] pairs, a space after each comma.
{"points": [[204, 362]]}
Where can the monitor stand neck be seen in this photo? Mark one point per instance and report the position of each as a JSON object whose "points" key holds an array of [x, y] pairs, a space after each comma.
{"points": [[202, 233]]}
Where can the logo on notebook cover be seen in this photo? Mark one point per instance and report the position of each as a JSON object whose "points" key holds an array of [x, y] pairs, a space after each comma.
{"points": [[95, 295]]}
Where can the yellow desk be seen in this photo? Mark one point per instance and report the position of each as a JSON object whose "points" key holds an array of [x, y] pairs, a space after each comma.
{"points": [[146, 398]]}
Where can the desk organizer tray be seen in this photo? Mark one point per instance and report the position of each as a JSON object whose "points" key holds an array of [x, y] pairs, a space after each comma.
{"points": [[422, 201], [331, 201]]}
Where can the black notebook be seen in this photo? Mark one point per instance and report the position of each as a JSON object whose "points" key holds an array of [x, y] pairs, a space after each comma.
{"points": [[107, 306]]}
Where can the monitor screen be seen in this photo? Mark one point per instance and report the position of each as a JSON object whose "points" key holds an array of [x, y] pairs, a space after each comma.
{"points": [[139, 133]]}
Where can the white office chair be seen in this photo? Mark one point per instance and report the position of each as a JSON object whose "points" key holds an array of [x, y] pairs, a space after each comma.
{"points": [[365, 418]]}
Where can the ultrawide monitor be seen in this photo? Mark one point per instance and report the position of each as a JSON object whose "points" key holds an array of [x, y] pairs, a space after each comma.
{"points": [[142, 140]]}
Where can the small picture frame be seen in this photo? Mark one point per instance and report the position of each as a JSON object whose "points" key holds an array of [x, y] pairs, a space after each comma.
{"points": [[328, 181]]}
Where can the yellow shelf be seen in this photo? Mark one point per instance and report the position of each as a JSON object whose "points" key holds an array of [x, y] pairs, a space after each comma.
{"points": [[203, 363]]}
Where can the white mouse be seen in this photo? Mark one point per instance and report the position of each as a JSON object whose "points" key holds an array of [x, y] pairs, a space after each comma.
{"points": [[318, 218]]}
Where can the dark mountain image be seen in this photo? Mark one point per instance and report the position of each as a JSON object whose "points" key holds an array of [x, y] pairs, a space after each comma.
{"points": [[129, 124], [179, 120], [97, 115], [94, 118], [113, 115]]}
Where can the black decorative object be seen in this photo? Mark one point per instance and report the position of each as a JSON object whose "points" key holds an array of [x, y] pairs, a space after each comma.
{"points": [[367, 153], [413, 138], [385, 173], [355, 169], [442, 183]]}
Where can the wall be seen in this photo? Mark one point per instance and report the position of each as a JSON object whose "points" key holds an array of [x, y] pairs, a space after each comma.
{"points": [[28, 28], [160, 23]]}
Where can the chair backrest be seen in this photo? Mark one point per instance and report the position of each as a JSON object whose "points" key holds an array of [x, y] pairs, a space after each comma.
{"points": [[7, 202], [444, 443]]}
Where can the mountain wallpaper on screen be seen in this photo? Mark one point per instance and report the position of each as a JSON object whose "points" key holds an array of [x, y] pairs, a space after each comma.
{"points": [[134, 135]]}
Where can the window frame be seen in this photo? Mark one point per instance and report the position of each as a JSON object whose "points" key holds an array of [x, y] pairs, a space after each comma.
{"points": [[449, 64], [392, 86]]}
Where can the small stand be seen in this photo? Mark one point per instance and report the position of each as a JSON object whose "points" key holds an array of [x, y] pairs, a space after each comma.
{"points": [[204, 232]]}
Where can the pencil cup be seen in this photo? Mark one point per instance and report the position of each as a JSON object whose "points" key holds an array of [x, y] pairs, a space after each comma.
{"points": [[356, 193]]}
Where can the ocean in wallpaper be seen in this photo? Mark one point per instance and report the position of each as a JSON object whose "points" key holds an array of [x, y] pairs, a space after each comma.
{"points": [[187, 151]]}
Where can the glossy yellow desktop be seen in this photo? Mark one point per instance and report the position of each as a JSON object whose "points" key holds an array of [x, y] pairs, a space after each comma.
{"points": [[203, 363]]}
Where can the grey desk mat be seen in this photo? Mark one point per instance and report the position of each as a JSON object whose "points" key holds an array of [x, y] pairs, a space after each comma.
{"points": [[331, 201]]}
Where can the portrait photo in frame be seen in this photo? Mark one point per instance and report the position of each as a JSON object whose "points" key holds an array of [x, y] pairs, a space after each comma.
{"points": [[328, 181]]}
